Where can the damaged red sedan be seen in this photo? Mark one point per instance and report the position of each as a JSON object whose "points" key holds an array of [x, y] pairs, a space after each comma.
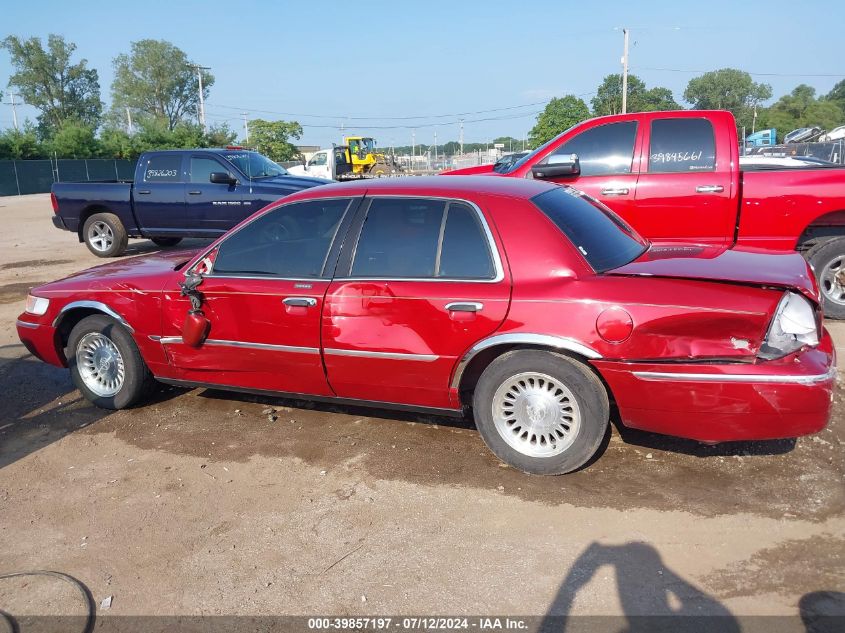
{"points": [[530, 303]]}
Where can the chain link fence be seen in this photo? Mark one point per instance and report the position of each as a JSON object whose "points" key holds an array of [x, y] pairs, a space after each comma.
{"points": [[20, 177]]}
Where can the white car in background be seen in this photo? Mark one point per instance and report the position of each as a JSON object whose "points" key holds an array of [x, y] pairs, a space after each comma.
{"points": [[836, 134]]}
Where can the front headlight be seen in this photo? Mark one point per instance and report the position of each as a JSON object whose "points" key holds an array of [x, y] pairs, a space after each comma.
{"points": [[36, 305], [793, 326]]}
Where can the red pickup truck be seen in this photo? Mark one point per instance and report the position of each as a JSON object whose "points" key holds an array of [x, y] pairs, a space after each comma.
{"points": [[676, 176]]}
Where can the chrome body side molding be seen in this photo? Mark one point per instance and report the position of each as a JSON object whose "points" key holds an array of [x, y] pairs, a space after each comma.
{"points": [[425, 358], [92, 305], [521, 338], [744, 378], [177, 340]]}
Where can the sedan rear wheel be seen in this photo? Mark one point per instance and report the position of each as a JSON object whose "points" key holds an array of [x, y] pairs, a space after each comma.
{"points": [[105, 363], [541, 412]]}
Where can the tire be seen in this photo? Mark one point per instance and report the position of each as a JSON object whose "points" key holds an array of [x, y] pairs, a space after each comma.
{"points": [[827, 260], [165, 242], [105, 235], [93, 362], [379, 170], [544, 381]]}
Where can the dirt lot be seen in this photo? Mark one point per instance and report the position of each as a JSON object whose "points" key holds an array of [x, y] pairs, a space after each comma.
{"points": [[199, 504]]}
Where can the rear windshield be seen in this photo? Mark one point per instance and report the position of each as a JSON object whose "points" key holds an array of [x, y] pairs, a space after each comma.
{"points": [[604, 240]]}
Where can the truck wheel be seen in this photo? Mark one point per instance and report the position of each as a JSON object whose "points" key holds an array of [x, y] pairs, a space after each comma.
{"points": [[105, 363], [541, 412], [165, 242], [104, 235], [828, 262]]}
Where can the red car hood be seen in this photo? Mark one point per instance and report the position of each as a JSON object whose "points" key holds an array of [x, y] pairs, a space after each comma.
{"points": [[145, 272], [749, 266], [480, 170]]}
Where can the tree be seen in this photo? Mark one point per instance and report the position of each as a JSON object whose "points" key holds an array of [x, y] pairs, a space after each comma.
{"points": [[608, 99], [728, 89], [157, 80], [800, 108], [21, 145], [560, 114], [272, 138], [74, 140], [46, 79]]}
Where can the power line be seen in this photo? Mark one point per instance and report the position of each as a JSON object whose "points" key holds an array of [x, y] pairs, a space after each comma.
{"points": [[687, 70]]}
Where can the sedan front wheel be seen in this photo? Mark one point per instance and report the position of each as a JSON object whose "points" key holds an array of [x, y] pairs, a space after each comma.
{"points": [[541, 412]]}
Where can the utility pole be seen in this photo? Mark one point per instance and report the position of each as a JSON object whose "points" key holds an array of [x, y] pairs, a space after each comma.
{"points": [[413, 147], [625, 73], [128, 120], [14, 105], [435, 146], [754, 119], [462, 137], [246, 127], [201, 113]]}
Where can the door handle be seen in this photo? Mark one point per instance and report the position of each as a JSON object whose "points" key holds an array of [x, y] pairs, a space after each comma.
{"points": [[464, 306], [300, 302], [194, 193], [615, 191], [709, 189], [143, 191]]}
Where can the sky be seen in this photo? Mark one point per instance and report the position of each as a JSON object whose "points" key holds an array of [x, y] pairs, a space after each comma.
{"points": [[408, 69]]}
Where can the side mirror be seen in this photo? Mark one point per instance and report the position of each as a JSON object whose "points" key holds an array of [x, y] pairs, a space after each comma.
{"points": [[221, 178], [556, 166]]}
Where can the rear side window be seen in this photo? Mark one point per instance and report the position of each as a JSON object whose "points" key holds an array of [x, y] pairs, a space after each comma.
{"points": [[291, 241], [681, 145], [163, 168], [606, 149], [406, 238], [598, 234]]}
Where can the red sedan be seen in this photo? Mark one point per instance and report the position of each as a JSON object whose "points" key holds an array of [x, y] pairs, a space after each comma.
{"points": [[528, 302]]}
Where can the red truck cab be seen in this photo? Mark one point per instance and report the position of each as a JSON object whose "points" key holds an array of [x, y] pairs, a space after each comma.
{"points": [[675, 176]]}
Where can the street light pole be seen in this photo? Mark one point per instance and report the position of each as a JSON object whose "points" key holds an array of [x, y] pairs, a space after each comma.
{"points": [[625, 72], [246, 127], [201, 112], [14, 105]]}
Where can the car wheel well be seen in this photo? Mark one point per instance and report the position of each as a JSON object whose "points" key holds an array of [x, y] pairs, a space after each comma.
{"points": [[68, 321], [87, 212], [480, 362]]}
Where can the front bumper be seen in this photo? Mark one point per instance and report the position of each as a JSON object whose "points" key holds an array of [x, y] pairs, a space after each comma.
{"points": [[727, 402], [40, 339]]}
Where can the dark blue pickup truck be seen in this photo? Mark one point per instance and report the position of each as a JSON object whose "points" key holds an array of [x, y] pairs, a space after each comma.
{"points": [[175, 194]]}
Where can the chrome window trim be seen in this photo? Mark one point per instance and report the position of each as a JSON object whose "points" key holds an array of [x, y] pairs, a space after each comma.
{"points": [[228, 234], [425, 358], [488, 234], [665, 376], [27, 324], [521, 338], [93, 305]]}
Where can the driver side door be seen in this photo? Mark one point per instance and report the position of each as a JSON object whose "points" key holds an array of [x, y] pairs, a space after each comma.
{"points": [[263, 297]]}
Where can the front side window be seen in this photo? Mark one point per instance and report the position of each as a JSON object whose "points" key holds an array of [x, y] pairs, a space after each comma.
{"points": [[422, 239], [681, 145], [318, 159], [604, 240], [163, 168], [202, 168], [291, 241], [606, 149]]}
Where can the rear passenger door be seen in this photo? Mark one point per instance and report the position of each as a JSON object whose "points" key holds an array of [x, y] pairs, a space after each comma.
{"points": [[213, 207], [419, 281], [158, 200], [685, 188]]}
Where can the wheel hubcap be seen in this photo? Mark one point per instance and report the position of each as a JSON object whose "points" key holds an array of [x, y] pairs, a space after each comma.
{"points": [[100, 364], [100, 236], [832, 280], [536, 415]]}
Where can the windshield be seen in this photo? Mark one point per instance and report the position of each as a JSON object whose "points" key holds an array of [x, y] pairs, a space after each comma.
{"points": [[601, 236], [514, 166], [254, 165]]}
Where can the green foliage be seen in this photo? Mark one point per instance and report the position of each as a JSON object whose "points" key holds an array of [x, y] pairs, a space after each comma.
{"points": [[560, 114], [155, 134], [73, 140], [727, 89], [62, 91], [608, 99], [21, 145], [156, 80], [272, 138], [800, 108]]}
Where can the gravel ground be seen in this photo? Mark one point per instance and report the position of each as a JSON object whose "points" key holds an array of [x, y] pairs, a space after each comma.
{"points": [[199, 504]]}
